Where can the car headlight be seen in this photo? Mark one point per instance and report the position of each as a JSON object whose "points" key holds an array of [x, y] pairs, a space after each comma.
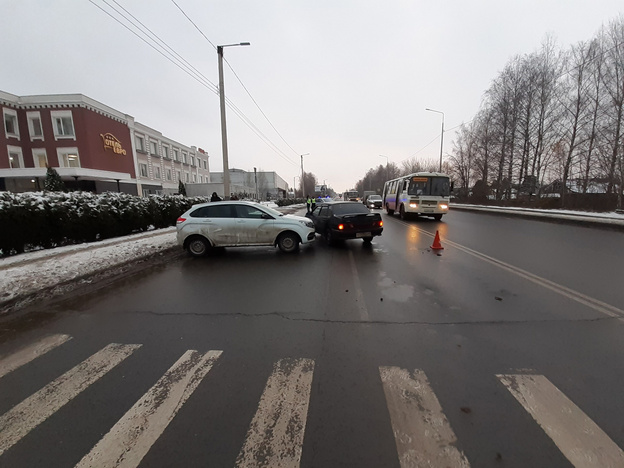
{"points": [[309, 224]]}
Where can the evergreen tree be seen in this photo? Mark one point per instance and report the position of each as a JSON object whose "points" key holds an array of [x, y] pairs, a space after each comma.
{"points": [[53, 181], [181, 188]]}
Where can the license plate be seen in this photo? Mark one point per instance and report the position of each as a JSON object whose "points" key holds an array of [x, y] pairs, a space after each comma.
{"points": [[428, 211], [362, 234]]}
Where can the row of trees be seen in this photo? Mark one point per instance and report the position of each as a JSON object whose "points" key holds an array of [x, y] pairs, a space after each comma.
{"points": [[376, 177], [550, 117]]}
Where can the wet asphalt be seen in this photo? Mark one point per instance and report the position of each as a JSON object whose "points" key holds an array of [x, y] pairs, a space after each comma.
{"points": [[504, 296]]}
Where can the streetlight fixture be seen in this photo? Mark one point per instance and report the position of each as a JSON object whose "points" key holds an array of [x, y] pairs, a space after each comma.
{"points": [[387, 172], [441, 135], [302, 178], [226, 168]]}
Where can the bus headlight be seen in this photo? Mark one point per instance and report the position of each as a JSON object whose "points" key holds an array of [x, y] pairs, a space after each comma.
{"points": [[443, 206], [413, 205]]}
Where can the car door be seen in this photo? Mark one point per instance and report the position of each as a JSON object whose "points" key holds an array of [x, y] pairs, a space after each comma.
{"points": [[217, 223], [255, 226], [324, 214]]}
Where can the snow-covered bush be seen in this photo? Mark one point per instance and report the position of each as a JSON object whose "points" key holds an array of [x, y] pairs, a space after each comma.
{"points": [[36, 220]]}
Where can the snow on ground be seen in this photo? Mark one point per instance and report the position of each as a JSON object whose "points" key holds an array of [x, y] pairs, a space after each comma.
{"points": [[28, 273]]}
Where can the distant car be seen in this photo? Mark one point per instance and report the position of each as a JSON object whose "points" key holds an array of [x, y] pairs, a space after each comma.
{"points": [[238, 224], [346, 220], [373, 201], [322, 200]]}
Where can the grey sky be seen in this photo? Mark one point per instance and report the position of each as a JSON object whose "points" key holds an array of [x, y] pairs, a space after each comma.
{"points": [[345, 81]]}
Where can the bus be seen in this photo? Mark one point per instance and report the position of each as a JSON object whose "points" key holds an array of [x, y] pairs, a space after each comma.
{"points": [[418, 194], [351, 195]]}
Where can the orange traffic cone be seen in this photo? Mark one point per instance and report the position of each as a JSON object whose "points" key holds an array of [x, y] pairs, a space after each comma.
{"points": [[436, 242]]}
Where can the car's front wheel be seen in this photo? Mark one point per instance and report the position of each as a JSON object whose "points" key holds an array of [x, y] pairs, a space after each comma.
{"points": [[288, 242], [197, 246]]}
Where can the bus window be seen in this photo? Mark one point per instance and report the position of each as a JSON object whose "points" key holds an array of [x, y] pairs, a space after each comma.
{"points": [[440, 186], [419, 186]]}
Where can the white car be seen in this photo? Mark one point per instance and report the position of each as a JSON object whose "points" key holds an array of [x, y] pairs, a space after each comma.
{"points": [[240, 223]]}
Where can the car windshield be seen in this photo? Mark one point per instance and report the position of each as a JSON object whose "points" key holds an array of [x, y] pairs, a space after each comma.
{"points": [[349, 208], [437, 186], [374, 197]]}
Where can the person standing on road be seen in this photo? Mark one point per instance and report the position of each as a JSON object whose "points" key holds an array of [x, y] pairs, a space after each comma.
{"points": [[215, 197], [308, 202], [313, 204]]}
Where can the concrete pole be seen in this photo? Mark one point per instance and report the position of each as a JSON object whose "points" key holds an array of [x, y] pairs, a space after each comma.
{"points": [[226, 168]]}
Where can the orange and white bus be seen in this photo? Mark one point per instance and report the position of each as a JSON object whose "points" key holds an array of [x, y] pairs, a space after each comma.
{"points": [[418, 194]]}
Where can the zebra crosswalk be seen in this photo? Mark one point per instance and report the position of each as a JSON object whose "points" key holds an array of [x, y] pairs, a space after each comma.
{"points": [[423, 434]]}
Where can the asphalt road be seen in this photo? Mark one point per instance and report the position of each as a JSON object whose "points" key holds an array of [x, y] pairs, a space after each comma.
{"points": [[503, 349]]}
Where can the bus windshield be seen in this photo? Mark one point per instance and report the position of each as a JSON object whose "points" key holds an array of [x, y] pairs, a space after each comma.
{"points": [[436, 186]]}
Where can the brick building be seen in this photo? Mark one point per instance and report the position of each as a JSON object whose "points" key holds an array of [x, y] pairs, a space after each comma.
{"points": [[92, 146]]}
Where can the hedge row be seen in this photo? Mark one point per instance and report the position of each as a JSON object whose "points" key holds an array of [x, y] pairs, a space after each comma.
{"points": [[36, 220]]}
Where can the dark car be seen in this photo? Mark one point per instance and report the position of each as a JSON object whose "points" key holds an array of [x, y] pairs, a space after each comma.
{"points": [[373, 201], [346, 220]]}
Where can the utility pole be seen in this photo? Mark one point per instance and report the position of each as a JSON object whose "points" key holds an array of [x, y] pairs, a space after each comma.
{"points": [[256, 179], [302, 178]]}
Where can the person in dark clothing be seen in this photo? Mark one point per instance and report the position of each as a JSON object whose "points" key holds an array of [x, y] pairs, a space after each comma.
{"points": [[215, 197]]}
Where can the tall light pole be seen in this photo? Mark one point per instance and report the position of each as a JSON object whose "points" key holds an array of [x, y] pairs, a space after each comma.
{"points": [[441, 135], [295, 185], [302, 178], [226, 168], [387, 173]]}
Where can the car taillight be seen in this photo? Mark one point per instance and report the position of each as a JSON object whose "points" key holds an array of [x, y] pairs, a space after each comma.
{"points": [[180, 220], [380, 223], [340, 227]]}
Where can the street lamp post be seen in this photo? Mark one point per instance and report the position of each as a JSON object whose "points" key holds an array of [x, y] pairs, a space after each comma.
{"points": [[294, 186], [387, 173], [226, 168], [303, 178], [441, 135]]}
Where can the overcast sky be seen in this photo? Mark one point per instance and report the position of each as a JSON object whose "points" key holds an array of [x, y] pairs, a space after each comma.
{"points": [[343, 80]]}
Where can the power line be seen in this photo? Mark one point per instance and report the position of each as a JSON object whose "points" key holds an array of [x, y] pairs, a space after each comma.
{"points": [[187, 68]]}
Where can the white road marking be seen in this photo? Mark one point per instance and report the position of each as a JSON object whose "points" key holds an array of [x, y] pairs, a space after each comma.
{"points": [[423, 435], [582, 442], [130, 439], [30, 352], [275, 437], [24, 417], [359, 295], [597, 305]]}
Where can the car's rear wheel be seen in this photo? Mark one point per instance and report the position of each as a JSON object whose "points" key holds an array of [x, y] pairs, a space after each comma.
{"points": [[389, 211], [197, 246], [402, 213], [288, 242], [367, 240]]}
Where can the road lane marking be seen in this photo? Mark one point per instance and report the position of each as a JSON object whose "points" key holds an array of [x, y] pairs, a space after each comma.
{"points": [[24, 417], [275, 436], [130, 439], [423, 435], [582, 442], [595, 304], [30, 353], [359, 295]]}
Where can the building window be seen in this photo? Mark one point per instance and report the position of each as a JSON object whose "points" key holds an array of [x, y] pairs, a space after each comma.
{"points": [[157, 172], [194, 178], [184, 158], [40, 157], [176, 154], [63, 124], [154, 148], [192, 160], [34, 125], [187, 177], [10, 123], [165, 150], [168, 174], [143, 170], [68, 157], [139, 142], [16, 159], [178, 175], [205, 164]]}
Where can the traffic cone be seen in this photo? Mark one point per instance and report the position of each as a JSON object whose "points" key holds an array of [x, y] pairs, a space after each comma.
{"points": [[436, 242]]}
